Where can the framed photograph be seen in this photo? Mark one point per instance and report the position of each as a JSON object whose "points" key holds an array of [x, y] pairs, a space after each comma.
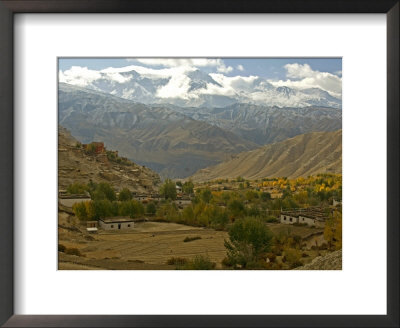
{"points": [[199, 164]]}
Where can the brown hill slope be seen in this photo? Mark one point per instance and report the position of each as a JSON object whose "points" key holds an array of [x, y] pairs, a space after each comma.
{"points": [[303, 155], [76, 165]]}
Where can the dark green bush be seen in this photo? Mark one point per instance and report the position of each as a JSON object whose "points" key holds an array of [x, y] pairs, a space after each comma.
{"points": [[187, 239]]}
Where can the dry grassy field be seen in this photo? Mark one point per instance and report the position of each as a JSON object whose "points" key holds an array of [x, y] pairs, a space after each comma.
{"points": [[148, 247], [151, 244]]}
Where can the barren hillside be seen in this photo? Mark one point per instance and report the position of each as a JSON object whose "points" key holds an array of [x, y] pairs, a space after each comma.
{"points": [[303, 155], [76, 165]]}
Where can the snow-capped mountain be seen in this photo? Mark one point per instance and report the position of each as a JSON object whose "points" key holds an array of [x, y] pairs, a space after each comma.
{"points": [[194, 88]]}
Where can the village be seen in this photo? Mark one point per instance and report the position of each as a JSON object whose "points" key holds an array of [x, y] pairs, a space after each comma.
{"points": [[173, 224]]}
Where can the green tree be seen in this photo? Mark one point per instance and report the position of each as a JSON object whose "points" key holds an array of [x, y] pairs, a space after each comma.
{"points": [[169, 212], [236, 208], [79, 210], [103, 208], [249, 238], [187, 187], [168, 189], [218, 217], [103, 191], [151, 208], [206, 195], [265, 196], [124, 195]]}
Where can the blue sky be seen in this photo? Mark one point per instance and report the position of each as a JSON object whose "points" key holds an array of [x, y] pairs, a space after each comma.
{"points": [[270, 68]]}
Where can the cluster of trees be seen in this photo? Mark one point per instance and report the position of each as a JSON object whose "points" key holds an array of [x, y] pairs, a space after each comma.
{"points": [[106, 203], [168, 189], [97, 209], [207, 210]]}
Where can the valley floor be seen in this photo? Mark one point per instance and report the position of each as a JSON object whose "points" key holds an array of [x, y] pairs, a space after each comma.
{"points": [[148, 247], [152, 244]]}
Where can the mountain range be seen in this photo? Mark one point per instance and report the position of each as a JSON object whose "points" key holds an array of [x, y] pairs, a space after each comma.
{"points": [[167, 141], [179, 133], [195, 88]]}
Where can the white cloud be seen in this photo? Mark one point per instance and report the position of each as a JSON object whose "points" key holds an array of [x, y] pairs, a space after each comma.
{"points": [[240, 68], [224, 69], [82, 76], [303, 77], [77, 75], [149, 72], [232, 84], [298, 70], [174, 62], [177, 87], [186, 62]]}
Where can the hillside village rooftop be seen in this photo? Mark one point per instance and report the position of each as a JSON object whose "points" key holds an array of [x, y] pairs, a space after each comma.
{"points": [[311, 216]]}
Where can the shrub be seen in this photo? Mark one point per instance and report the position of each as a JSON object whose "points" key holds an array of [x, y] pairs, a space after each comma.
{"points": [[177, 261], [77, 188], [188, 239], [73, 251], [227, 262], [292, 257], [200, 262]]}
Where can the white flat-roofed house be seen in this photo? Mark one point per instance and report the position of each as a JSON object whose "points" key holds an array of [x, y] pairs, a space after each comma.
{"points": [[310, 216], [117, 223], [289, 218], [91, 226]]}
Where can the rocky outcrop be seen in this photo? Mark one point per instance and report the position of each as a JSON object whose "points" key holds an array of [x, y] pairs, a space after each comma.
{"points": [[332, 261]]}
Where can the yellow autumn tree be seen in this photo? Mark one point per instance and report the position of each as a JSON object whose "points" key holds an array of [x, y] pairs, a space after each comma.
{"points": [[333, 231]]}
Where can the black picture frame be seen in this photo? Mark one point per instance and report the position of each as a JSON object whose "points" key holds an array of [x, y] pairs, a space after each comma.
{"points": [[7, 10]]}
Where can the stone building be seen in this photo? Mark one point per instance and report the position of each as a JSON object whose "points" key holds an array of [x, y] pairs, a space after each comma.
{"points": [[117, 223], [314, 217]]}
